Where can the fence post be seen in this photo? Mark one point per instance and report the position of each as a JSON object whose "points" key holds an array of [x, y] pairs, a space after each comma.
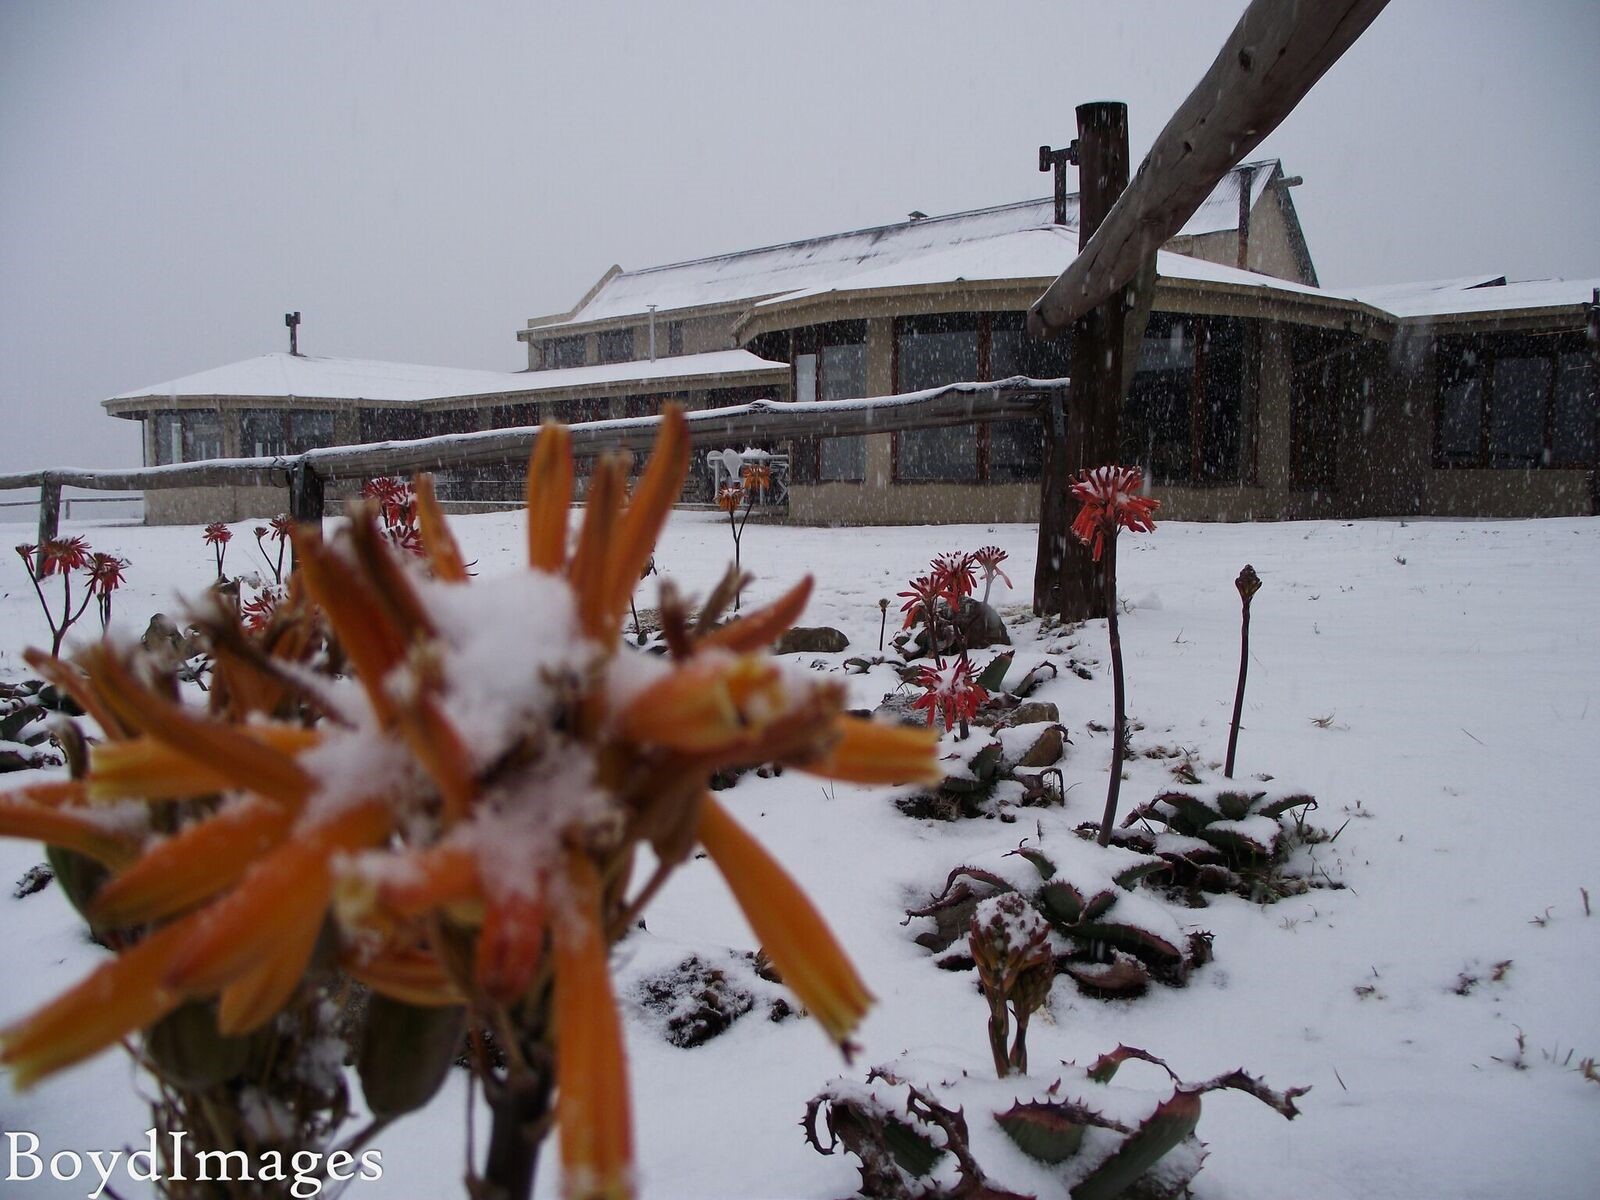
{"points": [[305, 493], [49, 515]]}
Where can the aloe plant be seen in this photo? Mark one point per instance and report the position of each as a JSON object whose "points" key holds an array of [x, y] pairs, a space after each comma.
{"points": [[1120, 941], [1245, 834], [913, 1142]]}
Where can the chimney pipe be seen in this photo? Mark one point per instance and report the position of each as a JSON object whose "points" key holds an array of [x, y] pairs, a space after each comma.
{"points": [[292, 320]]}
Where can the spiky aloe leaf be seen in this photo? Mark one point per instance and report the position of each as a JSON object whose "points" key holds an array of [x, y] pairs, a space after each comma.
{"points": [[1096, 905], [1104, 1067], [1121, 979], [1031, 681], [1049, 1132], [406, 1052], [1171, 1122], [1041, 863], [1132, 938], [1188, 814], [1061, 903], [1128, 876], [1239, 845], [1276, 808], [995, 673]]}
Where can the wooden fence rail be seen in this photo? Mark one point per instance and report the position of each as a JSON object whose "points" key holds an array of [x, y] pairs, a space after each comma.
{"points": [[762, 420]]}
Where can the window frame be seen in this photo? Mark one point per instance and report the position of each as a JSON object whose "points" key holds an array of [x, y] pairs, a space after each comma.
{"points": [[1450, 368]]}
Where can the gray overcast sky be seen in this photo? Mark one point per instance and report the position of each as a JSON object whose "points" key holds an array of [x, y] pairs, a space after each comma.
{"points": [[420, 178]]}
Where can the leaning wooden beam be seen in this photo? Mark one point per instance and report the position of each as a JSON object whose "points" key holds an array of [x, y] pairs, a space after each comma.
{"points": [[761, 420], [1276, 52]]}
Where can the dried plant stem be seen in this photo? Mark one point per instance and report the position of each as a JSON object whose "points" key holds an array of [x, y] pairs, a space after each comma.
{"points": [[1119, 727]]}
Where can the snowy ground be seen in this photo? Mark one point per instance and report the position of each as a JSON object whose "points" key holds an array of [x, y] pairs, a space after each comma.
{"points": [[1438, 683]]}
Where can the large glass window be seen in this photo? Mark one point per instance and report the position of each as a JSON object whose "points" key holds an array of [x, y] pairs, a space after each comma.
{"points": [[566, 352], [1157, 430], [268, 432], [931, 352], [1521, 396], [1514, 401], [1573, 423], [187, 436], [830, 363], [1316, 390], [1183, 419], [616, 345], [1016, 448]]}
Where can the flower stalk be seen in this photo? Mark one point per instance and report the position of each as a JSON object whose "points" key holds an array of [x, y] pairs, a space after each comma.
{"points": [[1248, 583], [1111, 502]]}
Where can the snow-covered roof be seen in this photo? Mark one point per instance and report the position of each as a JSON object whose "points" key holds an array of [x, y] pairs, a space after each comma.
{"points": [[1384, 294], [821, 262], [314, 378], [1027, 254], [1477, 294]]}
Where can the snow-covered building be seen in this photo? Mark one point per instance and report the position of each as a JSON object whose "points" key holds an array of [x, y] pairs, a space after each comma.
{"points": [[1257, 394]]}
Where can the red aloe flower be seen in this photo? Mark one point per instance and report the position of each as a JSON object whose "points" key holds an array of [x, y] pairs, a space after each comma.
{"points": [[26, 552], [952, 689], [258, 612], [395, 500], [1111, 502], [729, 498], [281, 525], [954, 576], [217, 534], [65, 554], [105, 573], [989, 559], [923, 596]]}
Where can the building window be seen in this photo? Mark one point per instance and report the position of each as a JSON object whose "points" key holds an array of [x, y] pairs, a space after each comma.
{"points": [[566, 352], [674, 338], [269, 432], [1317, 383], [1514, 401], [830, 363], [931, 352], [187, 436], [1182, 420], [616, 345], [935, 351]]}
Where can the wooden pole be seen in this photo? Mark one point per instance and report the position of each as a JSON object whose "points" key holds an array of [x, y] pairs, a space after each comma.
{"points": [[1275, 54], [49, 516], [1066, 578], [305, 493]]}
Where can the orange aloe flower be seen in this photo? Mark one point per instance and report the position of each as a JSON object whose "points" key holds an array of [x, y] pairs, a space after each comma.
{"points": [[467, 818]]}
